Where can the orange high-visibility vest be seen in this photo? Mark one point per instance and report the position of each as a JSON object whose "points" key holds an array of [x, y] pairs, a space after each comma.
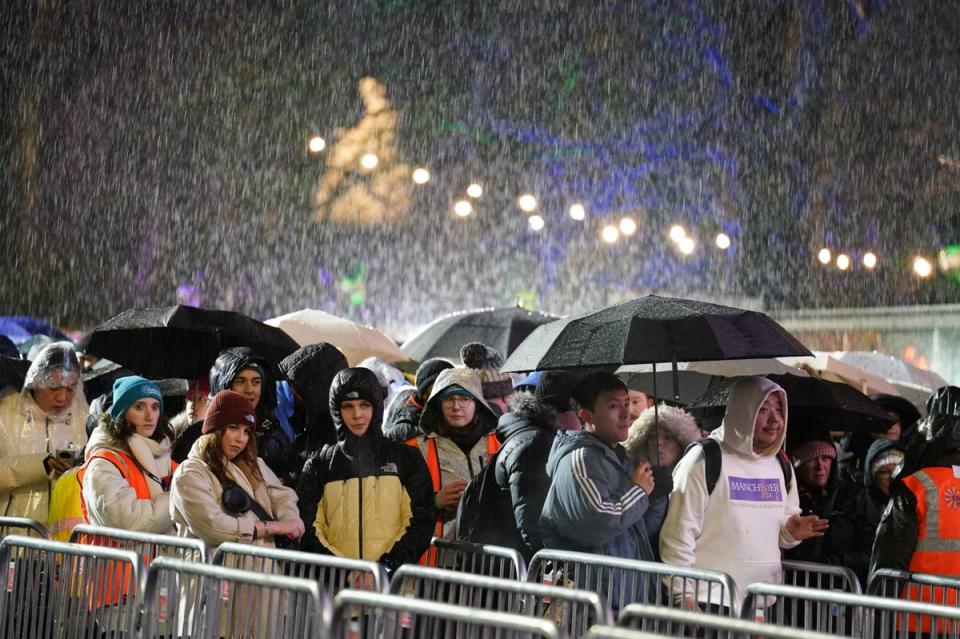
{"points": [[130, 471], [937, 490], [429, 558]]}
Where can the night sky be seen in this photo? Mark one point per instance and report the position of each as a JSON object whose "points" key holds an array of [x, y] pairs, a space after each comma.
{"points": [[156, 152]]}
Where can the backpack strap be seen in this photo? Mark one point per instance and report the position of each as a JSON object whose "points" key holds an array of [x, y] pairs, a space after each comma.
{"points": [[713, 461], [786, 467]]}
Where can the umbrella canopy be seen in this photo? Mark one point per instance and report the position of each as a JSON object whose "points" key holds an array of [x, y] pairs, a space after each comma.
{"points": [[812, 403], [653, 329], [182, 341], [830, 368], [356, 341], [890, 368], [20, 328], [695, 378], [501, 328]]}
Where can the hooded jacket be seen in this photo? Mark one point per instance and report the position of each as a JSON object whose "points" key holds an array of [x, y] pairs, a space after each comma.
{"points": [[674, 422], [110, 498], [877, 449], [403, 415], [273, 445], [196, 500], [311, 370], [740, 528], [526, 434], [28, 435], [454, 464], [853, 518], [592, 504], [365, 497], [936, 445]]}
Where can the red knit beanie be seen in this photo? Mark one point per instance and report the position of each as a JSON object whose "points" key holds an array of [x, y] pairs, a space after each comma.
{"points": [[226, 408]]}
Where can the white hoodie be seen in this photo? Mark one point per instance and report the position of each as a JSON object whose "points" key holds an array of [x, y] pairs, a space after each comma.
{"points": [[740, 528]]}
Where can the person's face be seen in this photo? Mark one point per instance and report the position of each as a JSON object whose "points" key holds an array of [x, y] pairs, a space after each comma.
{"points": [[768, 427], [54, 400], [639, 402], [197, 407], [815, 473], [356, 415], [669, 449], [143, 416], [883, 477], [234, 439], [610, 418], [248, 383], [458, 411]]}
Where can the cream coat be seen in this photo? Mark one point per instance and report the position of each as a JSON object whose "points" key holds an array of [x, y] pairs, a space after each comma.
{"points": [[112, 501], [197, 510], [27, 436]]}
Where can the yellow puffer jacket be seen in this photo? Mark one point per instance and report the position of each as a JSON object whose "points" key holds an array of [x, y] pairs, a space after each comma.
{"points": [[339, 525]]}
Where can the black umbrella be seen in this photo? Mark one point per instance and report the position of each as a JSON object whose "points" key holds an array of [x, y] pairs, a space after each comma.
{"points": [[501, 328], [653, 329], [811, 403], [12, 372], [182, 341]]}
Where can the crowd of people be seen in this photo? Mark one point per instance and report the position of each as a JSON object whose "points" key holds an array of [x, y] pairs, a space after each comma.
{"points": [[311, 454]]}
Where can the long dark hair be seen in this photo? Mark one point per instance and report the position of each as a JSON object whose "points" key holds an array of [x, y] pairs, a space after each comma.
{"points": [[212, 456]]}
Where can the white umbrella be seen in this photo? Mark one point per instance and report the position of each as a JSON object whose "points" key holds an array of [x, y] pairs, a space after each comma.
{"points": [[892, 369], [356, 341], [831, 368]]}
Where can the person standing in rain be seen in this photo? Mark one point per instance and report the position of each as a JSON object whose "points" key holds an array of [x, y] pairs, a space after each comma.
{"points": [[42, 432], [741, 525], [311, 371], [920, 529], [457, 440], [486, 362], [598, 501], [402, 420], [366, 497]]}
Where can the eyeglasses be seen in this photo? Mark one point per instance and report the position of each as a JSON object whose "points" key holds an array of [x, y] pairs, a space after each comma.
{"points": [[458, 400]]}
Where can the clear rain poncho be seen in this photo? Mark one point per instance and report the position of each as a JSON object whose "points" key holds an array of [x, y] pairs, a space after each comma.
{"points": [[55, 366]]}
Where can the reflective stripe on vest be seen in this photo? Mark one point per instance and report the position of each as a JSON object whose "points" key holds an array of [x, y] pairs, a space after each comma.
{"points": [[939, 485], [128, 470]]}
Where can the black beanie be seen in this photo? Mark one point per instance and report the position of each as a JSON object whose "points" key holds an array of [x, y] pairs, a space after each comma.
{"points": [[555, 389], [428, 372]]}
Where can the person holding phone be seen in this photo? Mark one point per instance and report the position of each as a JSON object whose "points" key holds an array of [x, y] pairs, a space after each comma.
{"points": [[223, 457], [126, 477]]}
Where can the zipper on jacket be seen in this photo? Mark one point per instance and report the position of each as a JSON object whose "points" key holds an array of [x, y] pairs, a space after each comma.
{"points": [[360, 518]]}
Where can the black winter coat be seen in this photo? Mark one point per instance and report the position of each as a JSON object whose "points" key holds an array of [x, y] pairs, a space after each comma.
{"points": [[358, 459], [936, 444], [853, 522], [526, 433], [311, 370], [403, 416]]}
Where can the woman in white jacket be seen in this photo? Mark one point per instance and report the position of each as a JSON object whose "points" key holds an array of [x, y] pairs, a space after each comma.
{"points": [[226, 454], [126, 479]]}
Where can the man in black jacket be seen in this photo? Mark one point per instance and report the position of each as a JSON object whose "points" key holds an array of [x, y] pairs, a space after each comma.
{"points": [[367, 497], [527, 433], [311, 370]]}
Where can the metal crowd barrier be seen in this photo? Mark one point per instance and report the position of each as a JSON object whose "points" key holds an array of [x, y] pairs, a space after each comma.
{"points": [[54, 589], [623, 581], [687, 623], [22, 526], [806, 574], [847, 614], [149, 546], [333, 573], [616, 632], [193, 600], [573, 611], [367, 615], [943, 590], [479, 559]]}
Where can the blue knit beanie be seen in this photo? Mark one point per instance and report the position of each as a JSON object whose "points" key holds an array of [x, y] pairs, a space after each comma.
{"points": [[127, 390]]}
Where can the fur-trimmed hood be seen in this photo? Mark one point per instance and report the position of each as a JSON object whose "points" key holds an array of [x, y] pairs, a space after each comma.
{"points": [[675, 422]]}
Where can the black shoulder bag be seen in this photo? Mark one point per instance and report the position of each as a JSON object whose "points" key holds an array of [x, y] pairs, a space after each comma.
{"points": [[237, 501]]}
